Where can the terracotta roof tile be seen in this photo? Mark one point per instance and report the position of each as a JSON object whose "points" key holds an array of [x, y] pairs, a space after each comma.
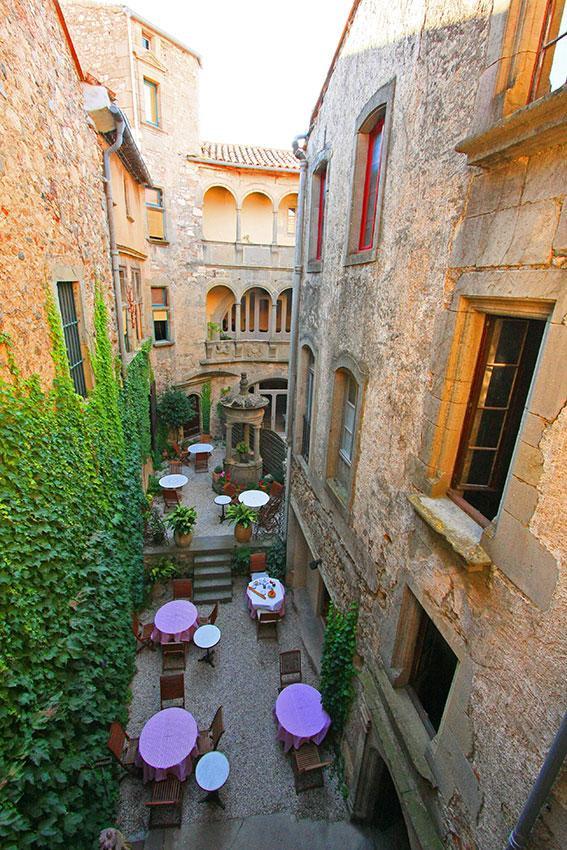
{"points": [[249, 155]]}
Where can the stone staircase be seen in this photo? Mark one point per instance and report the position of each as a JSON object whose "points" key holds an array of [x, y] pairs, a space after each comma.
{"points": [[212, 576]]}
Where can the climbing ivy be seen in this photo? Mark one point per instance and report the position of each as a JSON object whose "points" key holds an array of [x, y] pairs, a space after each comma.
{"points": [[71, 569], [337, 669]]}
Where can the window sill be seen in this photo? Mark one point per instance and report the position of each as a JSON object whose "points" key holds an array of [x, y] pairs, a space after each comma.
{"points": [[154, 241], [526, 131], [163, 343], [359, 258], [452, 524], [339, 495], [149, 126]]}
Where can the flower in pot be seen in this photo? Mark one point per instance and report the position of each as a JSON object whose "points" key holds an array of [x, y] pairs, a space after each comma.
{"points": [[242, 450], [242, 518], [182, 520]]}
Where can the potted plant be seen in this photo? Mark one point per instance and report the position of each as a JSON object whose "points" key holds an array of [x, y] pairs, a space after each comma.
{"points": [[213, 329], [206, 412], [242, 518], [158, 574], [175, 409], [182, 520], [242, 449], [216, 474]]}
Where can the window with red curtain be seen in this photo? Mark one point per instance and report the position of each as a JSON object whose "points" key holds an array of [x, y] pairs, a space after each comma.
{"points": [[371, 184], [321, 213]]}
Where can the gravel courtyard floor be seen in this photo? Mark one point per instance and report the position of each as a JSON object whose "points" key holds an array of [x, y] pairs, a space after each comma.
{"points": [[245, 682]]}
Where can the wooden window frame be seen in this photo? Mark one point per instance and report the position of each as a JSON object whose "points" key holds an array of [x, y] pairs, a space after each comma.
{"points": [[146, 37], [166, 306], [308, 407], [321, 190], [153, 87], [552, 18], [367, 214], [156, 207]]}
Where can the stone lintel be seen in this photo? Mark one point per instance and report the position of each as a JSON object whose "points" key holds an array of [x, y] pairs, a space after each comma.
{"points": [[458, 529]]}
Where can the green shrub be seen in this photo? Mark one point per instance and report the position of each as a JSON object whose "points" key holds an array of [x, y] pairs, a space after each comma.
{"points": [[277, 559], [206, 407], [175, 408], [241, 560]]}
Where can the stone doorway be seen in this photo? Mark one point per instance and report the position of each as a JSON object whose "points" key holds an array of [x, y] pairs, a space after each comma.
{"points": [[192, 428], [377, 803]]}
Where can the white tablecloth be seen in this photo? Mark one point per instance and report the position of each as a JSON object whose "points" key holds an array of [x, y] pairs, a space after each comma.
{"points": [[257, 605]]}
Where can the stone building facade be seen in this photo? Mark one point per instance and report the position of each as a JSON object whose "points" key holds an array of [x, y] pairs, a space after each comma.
{"points": [[54, 235], [429, 426]]}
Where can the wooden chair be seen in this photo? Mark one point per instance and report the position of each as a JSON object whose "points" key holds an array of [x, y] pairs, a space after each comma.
{"points": [[173, 656], [211, 619], [230, 490], [268, 519], [171, 498], [142, 633], [308, 767], [175, 467], [182, 588], [208, 739], [290, 668], [123, 748], [276, 490], [267, 626], [167, 797], [182, 454], [202, 462], [172, 688], [258, 563]]}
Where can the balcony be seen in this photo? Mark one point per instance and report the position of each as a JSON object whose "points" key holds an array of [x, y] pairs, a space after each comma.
{"points": [[251, 255], [261, 348]]}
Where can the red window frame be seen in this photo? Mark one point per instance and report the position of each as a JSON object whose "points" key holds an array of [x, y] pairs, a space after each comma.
{"points": [[374, 136], [551, 21], [321, 213]]}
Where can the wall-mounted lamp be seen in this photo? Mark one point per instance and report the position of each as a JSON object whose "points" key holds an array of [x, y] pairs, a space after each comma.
{"points": [[313, 565]]}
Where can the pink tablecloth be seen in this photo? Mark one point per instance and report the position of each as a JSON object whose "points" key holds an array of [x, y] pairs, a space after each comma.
{"points": [[175, 621], [167, 745], [300, 716], [257, 605]]}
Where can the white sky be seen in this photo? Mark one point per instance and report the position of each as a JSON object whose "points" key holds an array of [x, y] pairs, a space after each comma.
{"points": [[264, 61]]}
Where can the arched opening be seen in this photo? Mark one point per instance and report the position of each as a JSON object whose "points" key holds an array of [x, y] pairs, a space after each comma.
{"points": [[287, 212], [221, 310], [283, 312], [275, 390], [255, 307], [219, 215], [192, 428], [257, 219]]}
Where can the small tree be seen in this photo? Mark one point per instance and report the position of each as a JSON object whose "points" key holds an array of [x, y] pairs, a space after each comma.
{"points": [[206, 407], [175, 408], [337, 668]]}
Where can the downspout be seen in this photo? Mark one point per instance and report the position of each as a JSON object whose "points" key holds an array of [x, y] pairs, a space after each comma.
{"points": [[119, 123], [299, 154], [552, 765]]}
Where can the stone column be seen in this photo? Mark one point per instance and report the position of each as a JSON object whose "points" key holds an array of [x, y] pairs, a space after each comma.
{"points": [[228, 442], [256, 442], [272, 324], [275, 229], [237, 320], [238, 224]]}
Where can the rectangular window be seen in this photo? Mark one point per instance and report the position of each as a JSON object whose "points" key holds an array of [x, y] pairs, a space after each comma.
{"points": [[151, 113], [123, 272], [503, 374], [550, 70], [70, 321], [155, 213], [349, 416], [291, 212], [432, 671], [136, 317], [308, 411], [160, 313], [146, 41], [321, 213], [371, 185]]}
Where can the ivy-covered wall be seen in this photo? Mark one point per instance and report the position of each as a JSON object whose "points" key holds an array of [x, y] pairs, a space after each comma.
{"points": [[71, 572]]}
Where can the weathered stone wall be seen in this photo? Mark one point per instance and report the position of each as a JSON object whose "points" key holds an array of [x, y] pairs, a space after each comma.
{"points": [[447, 232], [52, 208]]}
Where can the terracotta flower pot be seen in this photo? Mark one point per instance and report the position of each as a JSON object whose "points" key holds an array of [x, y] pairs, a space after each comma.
{"points": [[206, 438], [183, 540], [242, 534]]}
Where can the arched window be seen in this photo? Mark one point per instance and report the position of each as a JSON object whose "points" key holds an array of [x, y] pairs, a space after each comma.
{"points": [[343, 432], [283, 312], [257, 219], [287, 212], [255, 307], [219, 215], [192, 428], [309, 383], [221, 309]]}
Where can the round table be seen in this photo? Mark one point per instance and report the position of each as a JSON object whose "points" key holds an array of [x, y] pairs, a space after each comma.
{"points": [[175, 621], [167, 745], [300, 716], [173, 482], [257, 605], [200, 448], [211, 774], [254, 498], [206, 637], [222, 501]]}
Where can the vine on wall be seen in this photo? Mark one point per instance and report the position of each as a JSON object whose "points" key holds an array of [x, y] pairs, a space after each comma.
{"points": [[337, 668], [71, 570]]}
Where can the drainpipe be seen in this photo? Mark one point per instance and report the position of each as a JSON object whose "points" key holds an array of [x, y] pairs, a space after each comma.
{"points": [[119, 123], [540, 791], [299, 153]]}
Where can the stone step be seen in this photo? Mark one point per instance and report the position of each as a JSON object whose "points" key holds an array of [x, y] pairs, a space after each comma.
{"points": [[213, 558], [207, 544], [212, 570], [204, 584], [212, 596]]}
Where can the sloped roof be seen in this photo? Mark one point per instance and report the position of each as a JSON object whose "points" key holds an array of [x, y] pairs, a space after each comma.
{"points": [[248, 156]]}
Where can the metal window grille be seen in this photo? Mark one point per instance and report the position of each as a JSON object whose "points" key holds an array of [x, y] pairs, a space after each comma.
{"points": [[71, 334]]}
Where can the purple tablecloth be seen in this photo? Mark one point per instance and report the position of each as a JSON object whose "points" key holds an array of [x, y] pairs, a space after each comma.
{"points": [[175, 621], [300, 716], [167, 745]]}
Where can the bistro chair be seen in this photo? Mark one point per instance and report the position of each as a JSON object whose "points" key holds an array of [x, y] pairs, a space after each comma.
{"points": [[172, 689], [182, 588], [267, 626], [290, 668], [211, 619], [307, 767], [165, 805], [142, 633], [173, 656], [123, 748], [258, 564], [182, 454], [268, 517], [175, 467], [202, 462], [171, 498], [276, 490], [208, 739]]}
